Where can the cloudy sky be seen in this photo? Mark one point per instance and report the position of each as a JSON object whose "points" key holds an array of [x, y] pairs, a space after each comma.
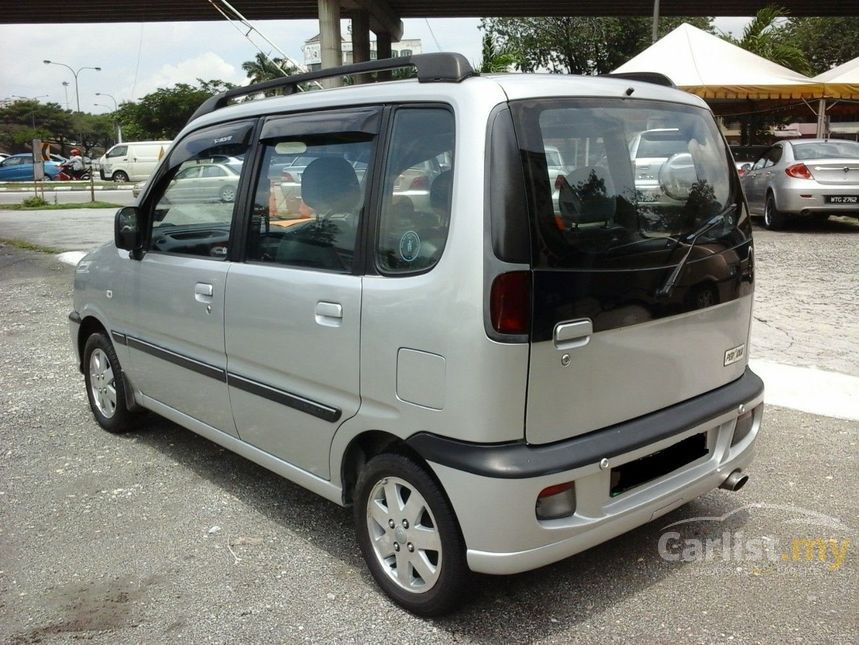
{"points": [[137, 58]]}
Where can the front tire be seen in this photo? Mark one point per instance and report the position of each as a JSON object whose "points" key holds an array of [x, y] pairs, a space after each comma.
{"points": [[409, 536], [228, 194], [774, 220], [105, 385], [120, 177]]}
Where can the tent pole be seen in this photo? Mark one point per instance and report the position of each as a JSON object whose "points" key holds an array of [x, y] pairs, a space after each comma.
{"points": [[656, 21], [822, 119]]}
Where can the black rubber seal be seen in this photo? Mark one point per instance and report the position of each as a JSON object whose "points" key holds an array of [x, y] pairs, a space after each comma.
{"points": [[520, 460]]}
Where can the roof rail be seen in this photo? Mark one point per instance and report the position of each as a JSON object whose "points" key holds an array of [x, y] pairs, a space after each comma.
{"points": [[432, 68], [644, 77]]}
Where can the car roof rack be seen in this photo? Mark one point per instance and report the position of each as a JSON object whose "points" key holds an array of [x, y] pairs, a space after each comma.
{"points": [[645, 77], [443, 67]]}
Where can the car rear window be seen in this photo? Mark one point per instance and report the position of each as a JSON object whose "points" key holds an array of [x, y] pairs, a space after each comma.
{"points": [[607, 209], [826, 150]]}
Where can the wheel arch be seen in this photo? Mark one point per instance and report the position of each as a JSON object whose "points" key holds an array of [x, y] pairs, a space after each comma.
{"points": [[89, 326], [361, 449]]}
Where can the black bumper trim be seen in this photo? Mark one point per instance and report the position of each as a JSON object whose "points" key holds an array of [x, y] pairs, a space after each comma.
{"points": [[520, 460]]}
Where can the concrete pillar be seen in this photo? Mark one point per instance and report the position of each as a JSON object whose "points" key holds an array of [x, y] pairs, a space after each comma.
{"points": [[383, 50], [330, 45], [821, 122], [360, 41]]}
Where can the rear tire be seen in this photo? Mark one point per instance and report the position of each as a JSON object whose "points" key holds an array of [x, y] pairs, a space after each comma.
{"points": [[773, 218], [409, 536], [119, 177], [105, 385]]}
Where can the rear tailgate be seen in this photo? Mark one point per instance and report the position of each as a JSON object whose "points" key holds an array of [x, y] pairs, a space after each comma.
{"points": [[638, 302]]}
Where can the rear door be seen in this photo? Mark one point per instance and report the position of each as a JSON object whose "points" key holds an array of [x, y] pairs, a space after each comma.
{"points": [[636, 304], [294, 306]]}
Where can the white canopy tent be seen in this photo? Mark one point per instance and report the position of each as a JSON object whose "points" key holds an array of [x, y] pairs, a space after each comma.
{"points": [[713, 68], [841, 81]]}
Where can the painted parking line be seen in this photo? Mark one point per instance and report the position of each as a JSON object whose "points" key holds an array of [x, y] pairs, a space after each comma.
{"points": [[829, 394], [71, 257]]}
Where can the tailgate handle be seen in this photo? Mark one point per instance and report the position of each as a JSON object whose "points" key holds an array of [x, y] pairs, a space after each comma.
{"points": [[569, 335]]}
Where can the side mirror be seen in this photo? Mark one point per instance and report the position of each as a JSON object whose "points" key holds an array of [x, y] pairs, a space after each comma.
{"points": [[677, 176], [126, 230]]}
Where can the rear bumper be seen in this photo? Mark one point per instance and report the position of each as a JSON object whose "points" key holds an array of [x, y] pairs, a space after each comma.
{"points": [[494, 495], [810, 199]]}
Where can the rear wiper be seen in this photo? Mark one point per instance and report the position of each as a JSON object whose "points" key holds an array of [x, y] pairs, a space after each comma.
{"points": [[667, 287]]}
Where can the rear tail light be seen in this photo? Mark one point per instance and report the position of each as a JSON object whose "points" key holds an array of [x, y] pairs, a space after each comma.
{"points": [[555, 502], [420, 183], [559, 182], [742, 171], [510, 302], [798, 171]]}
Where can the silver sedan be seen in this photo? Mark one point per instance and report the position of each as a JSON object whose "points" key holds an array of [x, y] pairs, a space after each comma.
{"points": [[807, 177]]}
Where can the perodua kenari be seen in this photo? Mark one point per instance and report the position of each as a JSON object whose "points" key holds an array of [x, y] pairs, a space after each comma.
{"points": [[498, 359]]}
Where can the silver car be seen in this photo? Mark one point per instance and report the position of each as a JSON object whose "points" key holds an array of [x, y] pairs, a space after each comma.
{"points": [[490, 385], [803, 177]]}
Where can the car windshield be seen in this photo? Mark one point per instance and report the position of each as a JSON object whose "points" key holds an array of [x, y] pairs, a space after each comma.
{"points": [[826, 150], [608, 209]]}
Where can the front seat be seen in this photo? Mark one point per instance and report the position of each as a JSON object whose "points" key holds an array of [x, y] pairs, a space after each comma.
{"points": [[330, 187]]}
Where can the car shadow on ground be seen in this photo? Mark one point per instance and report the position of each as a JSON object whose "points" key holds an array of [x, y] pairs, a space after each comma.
{"points": [[514, 608]]}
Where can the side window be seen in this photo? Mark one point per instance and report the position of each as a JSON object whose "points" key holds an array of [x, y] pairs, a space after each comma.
{"points": [[307, 208], [416, 198], [118, 151], [193, 203]]}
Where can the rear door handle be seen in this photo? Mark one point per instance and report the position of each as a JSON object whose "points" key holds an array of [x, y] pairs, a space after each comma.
{"points": [[203, 292], [328, 314], [573, 334]]}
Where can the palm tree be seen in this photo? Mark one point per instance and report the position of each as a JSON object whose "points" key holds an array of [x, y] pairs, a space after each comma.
{"points": [[767, 38], [494, 60], [264, 69]]}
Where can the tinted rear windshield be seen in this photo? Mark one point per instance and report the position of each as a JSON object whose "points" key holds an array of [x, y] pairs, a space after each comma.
{"points": [[604, 209], [825, 150]]}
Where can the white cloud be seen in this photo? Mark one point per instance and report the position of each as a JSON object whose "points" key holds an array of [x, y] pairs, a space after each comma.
{"points": [[206, 66]]}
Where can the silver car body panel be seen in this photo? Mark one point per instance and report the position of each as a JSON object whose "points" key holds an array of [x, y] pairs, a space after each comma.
{"points": [[664, 361]]}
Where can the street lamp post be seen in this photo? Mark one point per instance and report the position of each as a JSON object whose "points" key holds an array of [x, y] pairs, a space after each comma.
{"points": [[115, 110], [75, 73], [66, 90]]}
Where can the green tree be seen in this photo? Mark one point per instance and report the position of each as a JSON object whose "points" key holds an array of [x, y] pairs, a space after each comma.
{"points": [[826, 42], [23, 121], [769, 36], [576, 45], [163, 113]]}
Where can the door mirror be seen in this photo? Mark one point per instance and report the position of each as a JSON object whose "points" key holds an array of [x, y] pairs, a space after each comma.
{"points": [[126, 229], [677, 176]]}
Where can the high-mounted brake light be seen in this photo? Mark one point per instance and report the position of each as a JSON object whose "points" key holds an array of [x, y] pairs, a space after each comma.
{"points": [[798, 171], [510, 302]]}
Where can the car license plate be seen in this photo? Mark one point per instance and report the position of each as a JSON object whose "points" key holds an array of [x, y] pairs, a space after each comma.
{"points": [[841, 199]]}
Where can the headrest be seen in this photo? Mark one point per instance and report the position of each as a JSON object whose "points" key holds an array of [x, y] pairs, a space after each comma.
{"points": [[329, 185]]}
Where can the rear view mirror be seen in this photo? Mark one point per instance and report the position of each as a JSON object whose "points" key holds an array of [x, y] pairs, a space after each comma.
{"points": [[126, 229]]}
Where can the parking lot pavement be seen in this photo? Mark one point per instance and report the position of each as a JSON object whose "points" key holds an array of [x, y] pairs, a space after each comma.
{"points": [[160, 535], [80, 229]]}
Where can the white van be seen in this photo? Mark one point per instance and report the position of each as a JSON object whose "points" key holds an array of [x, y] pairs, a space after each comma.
{"points": [[132, 161]]}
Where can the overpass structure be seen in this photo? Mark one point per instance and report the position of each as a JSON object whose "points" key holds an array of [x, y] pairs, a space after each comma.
{"points": [[384, 17]]}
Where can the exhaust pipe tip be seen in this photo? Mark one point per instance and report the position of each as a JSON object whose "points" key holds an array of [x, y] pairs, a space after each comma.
{"points": [[735, 481]]}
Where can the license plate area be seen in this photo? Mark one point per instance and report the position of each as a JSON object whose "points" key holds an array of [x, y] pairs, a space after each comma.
{"points": [[841, 199], [645, 469]]}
